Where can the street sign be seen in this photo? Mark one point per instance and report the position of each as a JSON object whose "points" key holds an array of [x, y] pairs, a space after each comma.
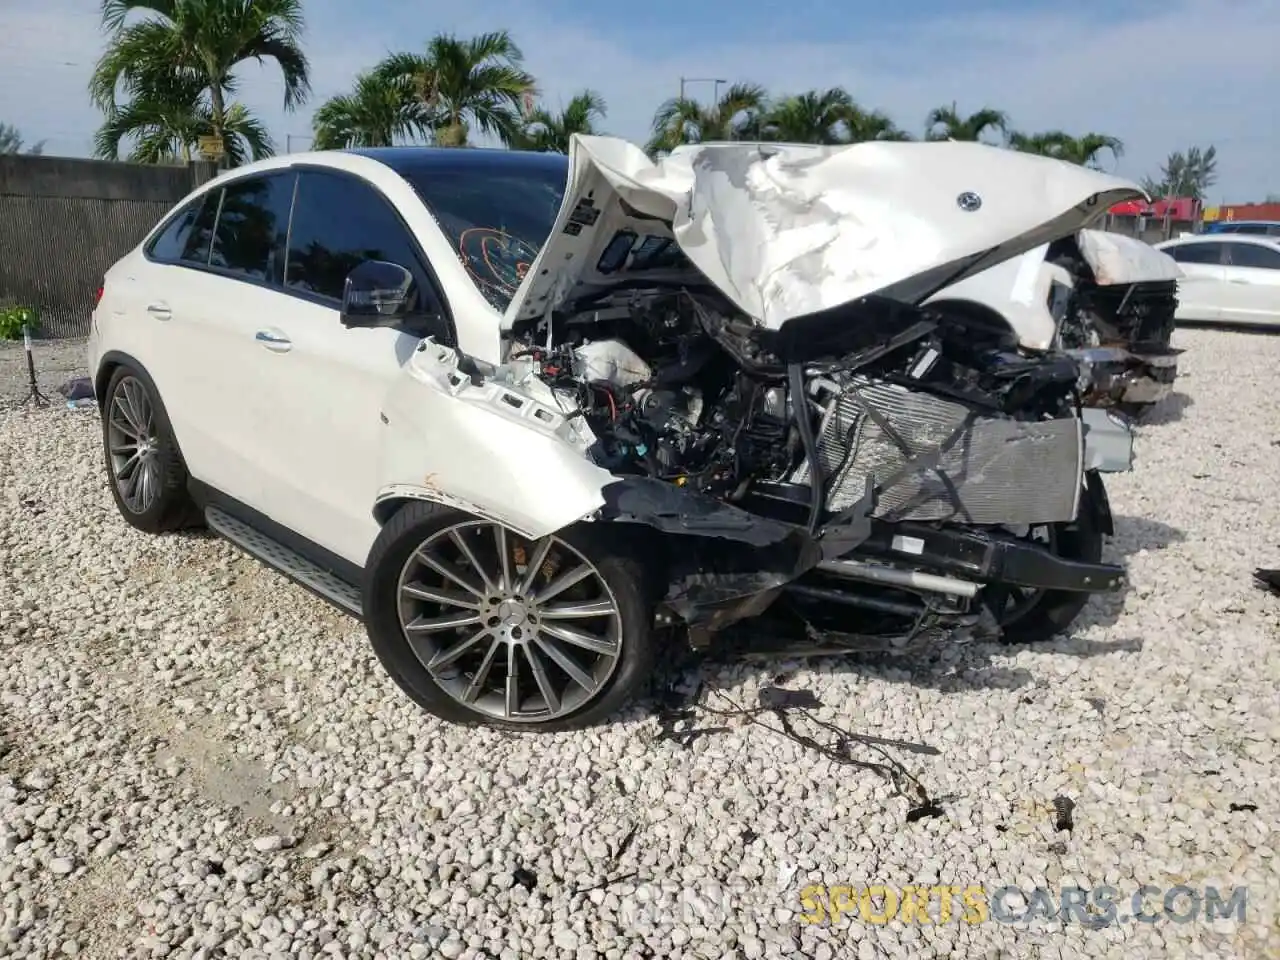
{"points": [[211, 147]]}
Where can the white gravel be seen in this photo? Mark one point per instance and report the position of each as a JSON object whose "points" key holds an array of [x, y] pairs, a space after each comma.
{"points": [[199, 759]]}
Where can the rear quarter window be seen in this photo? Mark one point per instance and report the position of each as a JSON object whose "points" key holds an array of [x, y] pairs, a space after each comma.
{"points": [[253, 224], [187, 236]]}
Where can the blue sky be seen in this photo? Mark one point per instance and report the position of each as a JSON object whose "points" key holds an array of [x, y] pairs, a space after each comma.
{"points": [[1130, 68]]}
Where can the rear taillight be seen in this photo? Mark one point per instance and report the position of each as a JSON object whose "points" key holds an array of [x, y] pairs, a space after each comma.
{"points": [[97, 297]]}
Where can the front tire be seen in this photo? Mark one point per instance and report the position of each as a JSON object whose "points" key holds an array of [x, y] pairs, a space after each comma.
{"points": [[1033, 616], [481, 626], [147, 475]]}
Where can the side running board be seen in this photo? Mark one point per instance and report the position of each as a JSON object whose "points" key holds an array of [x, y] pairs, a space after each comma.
{"points": [[286, 561]]}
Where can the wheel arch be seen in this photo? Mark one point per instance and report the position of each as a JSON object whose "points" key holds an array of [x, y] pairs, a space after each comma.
{"points": [[107, 366], [113, 360], [977, 312], [392, 498]]}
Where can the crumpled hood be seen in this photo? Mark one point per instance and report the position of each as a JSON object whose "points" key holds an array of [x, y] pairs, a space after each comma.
{"points": [[785, 230], [1116, 259]]}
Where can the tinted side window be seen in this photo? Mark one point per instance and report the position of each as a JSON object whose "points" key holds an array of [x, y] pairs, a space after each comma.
{"points": [[1253, 255], [252, 227], [187, 236], [339, 222], [1196, 253], [1254, 228]]}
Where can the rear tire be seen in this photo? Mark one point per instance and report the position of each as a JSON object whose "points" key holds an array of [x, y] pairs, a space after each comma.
{"points": [[145, 469], [451, 628], [1048, 613]]}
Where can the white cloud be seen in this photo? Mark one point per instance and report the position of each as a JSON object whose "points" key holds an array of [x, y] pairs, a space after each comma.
{"points": [[1187, 72]]}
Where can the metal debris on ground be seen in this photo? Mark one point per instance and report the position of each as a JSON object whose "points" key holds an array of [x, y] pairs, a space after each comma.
{"points": [[1063, 807], [1268, 579]]}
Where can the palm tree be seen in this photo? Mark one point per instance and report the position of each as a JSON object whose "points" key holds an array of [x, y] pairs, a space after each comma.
{"points": [[739, 113], [11, 141], [550, 133], [478, 82], [198, 42], [861, 126], [166, 122], [815, 116], [379, 112], [1083, 150], [946, 123], [1189, 174], [827, 117]]}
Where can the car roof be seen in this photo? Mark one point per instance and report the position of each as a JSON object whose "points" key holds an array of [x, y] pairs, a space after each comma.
{"points": [[451, 159], [1248, 223], [410, 160]]}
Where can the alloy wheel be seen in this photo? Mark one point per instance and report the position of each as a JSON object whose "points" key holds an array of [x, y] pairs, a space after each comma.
{"points": [[521, 631], [133, 445]]}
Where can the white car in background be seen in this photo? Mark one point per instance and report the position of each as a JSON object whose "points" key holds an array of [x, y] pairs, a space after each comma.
{"points": [[1228, 278]]}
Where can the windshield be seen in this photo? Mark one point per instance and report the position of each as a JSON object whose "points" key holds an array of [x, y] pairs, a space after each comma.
{"points": [[497, 220]]}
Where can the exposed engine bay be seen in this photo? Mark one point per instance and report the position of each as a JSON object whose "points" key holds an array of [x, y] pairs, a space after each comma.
{"points": [[892, 400]]}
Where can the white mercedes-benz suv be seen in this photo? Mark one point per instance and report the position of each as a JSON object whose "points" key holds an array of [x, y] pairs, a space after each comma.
{"points": [[530, 417]]}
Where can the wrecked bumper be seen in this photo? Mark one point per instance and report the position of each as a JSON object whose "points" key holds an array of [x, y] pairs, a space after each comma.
{"points": [[726, 564], [1139, 374], [988, 558]]}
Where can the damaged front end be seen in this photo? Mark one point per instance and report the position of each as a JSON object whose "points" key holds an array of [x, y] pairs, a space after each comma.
{"points": [[864, 471], [721, 359], [1120, 318]]}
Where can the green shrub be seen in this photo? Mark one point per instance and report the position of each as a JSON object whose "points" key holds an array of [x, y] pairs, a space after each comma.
{"points": [[13, 319]]}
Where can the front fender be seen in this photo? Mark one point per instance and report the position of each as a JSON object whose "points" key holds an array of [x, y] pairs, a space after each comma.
{"points": [[497, 449]]}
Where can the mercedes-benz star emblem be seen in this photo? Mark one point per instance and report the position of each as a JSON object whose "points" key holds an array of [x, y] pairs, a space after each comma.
{"points": [[968, 201]]}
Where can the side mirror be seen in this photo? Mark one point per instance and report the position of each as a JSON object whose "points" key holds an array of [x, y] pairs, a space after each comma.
{"points": [[381, 294]]}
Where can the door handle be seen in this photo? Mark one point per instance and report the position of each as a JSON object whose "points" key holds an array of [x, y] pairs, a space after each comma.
{"points": [[1237, 280], [273, 340], [160, 311]]}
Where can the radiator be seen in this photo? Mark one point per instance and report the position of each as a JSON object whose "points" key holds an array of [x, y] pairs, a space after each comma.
{"points": [[993, 471]]}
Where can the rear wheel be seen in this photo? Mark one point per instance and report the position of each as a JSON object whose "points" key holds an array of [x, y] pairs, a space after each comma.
{"points": [[480, 625], [145, 468], [1030, 615]]}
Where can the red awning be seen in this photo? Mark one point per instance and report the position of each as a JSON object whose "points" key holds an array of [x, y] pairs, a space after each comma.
{"points": [[1178, 208]]}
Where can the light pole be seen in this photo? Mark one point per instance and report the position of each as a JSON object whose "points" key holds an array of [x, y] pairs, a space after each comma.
{"points": [[712, 80], [684, 81]]}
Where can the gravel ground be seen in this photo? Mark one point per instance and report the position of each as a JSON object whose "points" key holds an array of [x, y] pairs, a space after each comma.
{"points": [[55, 362], [200, 759]]}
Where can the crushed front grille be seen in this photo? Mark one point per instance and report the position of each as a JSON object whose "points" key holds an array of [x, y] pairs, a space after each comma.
{"points": [[992, 470]]}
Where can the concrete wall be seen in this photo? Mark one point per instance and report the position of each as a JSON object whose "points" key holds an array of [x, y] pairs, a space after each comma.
{"points": [[64, 221]]}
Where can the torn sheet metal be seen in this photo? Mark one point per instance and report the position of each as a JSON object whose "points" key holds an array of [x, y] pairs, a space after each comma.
{"points": [[1118, 375], [1116, 259], [785, 230], [725, 563], [1108, 441]]}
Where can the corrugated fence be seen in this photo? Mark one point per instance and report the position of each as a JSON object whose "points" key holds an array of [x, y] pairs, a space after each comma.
{"points": [[64, 221]]}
